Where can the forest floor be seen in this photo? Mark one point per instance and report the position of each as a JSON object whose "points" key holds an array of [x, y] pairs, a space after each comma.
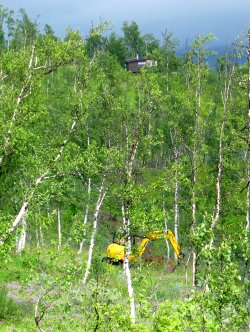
{"points": [[55, 280]]}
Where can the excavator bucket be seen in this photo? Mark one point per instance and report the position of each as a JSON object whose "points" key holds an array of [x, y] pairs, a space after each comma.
{"points": [[174, 243]]}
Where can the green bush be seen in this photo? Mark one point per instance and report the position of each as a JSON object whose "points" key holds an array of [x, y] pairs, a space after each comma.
{"points": [[7, 306]]}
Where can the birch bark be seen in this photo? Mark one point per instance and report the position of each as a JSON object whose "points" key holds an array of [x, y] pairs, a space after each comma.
{"points": [[101, 196], [59, 229], [176, 189], [87, 204], [166, 229], [194, 180], [126, 225], [198, 89], [21, 241], [225, 94], [85, 216], [200, 54]]}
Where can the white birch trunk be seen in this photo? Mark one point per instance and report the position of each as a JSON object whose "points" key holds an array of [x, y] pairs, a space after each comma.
{"points": [[186, 268], [248, 203], [195, 157], [21, 241], [194, 180], [194, 268], [216, 215], [37, 238], [176, 206], [85, 217], [41, 236], [16, 222], [23, 211], [88, 200], [102, 193], [130, 159], [37, 233], [59, 229], [166, 229], [38, 245], [225, 94], [176, 189], [176, 209], [126, 224]]}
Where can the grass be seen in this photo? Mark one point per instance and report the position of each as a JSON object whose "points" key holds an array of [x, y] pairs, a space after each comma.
{"points": [[58, 277], [15, 315]]}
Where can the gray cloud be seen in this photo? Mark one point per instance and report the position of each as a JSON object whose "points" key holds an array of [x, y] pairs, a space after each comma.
{"points": [[185, 18]]}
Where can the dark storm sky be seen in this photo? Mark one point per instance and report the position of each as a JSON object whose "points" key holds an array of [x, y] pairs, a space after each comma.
{"points": [[185, 18]]}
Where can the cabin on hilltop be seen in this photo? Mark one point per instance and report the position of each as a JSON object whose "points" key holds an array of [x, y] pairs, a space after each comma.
{"points": [[137, 63]]}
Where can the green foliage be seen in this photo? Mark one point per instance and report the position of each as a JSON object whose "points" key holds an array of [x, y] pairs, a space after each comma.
{"points": [[8, 306], [71, 116], [116, 47], [132, 37], [197, 314]]}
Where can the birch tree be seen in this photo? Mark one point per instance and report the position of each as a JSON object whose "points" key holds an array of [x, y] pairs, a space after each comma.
{"points": [[22, 122], [130, 159], [103, 157], [225, 96], [21, 240], [86, 214], [135, 126], [199, 74], [23, 210], [101, 195], [176, 186]]}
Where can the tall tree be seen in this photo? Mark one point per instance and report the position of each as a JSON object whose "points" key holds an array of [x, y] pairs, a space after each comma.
{"points": [[25, 30], [21, 117], [115, 45], [132, 38], [3, 18], [199, 74]]}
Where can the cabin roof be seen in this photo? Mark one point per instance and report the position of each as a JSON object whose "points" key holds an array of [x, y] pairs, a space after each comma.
{"points": [[136, 59]]}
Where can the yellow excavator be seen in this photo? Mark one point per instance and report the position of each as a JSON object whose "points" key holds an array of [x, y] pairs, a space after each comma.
{"points": [[116, 251]]}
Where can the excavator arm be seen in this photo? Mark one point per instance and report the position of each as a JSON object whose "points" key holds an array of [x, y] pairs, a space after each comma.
{"points": [[116, 252], [174, 243], [161, 234]]}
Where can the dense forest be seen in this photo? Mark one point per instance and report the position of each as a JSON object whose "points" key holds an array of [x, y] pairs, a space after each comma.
{"points": [[92, 154]]}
